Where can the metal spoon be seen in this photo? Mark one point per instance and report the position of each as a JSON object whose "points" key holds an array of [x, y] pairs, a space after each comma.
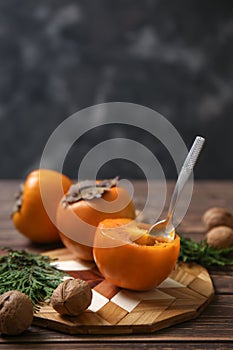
{"points": [[165, 228]]}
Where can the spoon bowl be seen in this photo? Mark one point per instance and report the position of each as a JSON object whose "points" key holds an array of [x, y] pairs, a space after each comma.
{"points": [[163, 229]]}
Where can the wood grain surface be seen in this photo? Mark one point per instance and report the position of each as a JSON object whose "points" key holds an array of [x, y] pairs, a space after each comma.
{"points": [[181, 297], [213, 328]]}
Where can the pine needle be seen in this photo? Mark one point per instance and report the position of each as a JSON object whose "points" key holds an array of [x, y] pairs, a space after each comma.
{"points": [[203, 254], [29, 273]]}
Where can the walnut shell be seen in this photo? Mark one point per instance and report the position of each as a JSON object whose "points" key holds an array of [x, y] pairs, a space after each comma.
{"points": [[220, 237], [217, 217], [16, 312], [71, 297]]}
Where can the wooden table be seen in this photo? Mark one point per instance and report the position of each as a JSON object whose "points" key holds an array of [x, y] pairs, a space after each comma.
{"points": [[212, 329]]}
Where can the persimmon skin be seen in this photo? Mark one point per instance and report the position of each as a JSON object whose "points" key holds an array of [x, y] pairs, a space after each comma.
{"points": [[130, 265], [32, 219], [89, 217]]}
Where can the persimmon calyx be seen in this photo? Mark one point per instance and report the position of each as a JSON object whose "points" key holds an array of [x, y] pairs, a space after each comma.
{"points": [[88, 189], [18, 200]]}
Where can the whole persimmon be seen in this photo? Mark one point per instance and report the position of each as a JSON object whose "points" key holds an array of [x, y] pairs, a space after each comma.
{"points": [[84, 206], [34, 214], [128, 257]]}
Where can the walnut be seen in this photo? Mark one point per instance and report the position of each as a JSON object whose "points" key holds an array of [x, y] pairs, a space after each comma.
{"points": [[220, 237], [71, 297], [16, 312], [217, 217]]}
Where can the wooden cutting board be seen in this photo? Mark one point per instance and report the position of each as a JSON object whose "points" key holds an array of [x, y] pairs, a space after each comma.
{"points": [[113, 310]]}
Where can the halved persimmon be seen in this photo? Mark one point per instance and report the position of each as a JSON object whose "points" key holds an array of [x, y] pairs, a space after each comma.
{"points": [[84, 206], [34, 214], [128, 257]]}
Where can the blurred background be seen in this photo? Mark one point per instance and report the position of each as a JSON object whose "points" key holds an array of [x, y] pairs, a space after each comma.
{"points": [[60, 56]]}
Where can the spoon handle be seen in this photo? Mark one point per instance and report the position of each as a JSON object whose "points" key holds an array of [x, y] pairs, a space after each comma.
{"points": [[184, 174]]}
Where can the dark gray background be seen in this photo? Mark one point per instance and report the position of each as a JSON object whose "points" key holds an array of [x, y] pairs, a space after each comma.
{"points": [[59, 56]]}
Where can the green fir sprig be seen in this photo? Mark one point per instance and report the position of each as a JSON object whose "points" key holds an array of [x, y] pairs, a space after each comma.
{"points": [[29, 273], [203, 254]]}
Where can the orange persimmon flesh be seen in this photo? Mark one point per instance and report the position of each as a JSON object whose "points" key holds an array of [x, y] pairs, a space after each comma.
{"points": [[128, 257]]}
